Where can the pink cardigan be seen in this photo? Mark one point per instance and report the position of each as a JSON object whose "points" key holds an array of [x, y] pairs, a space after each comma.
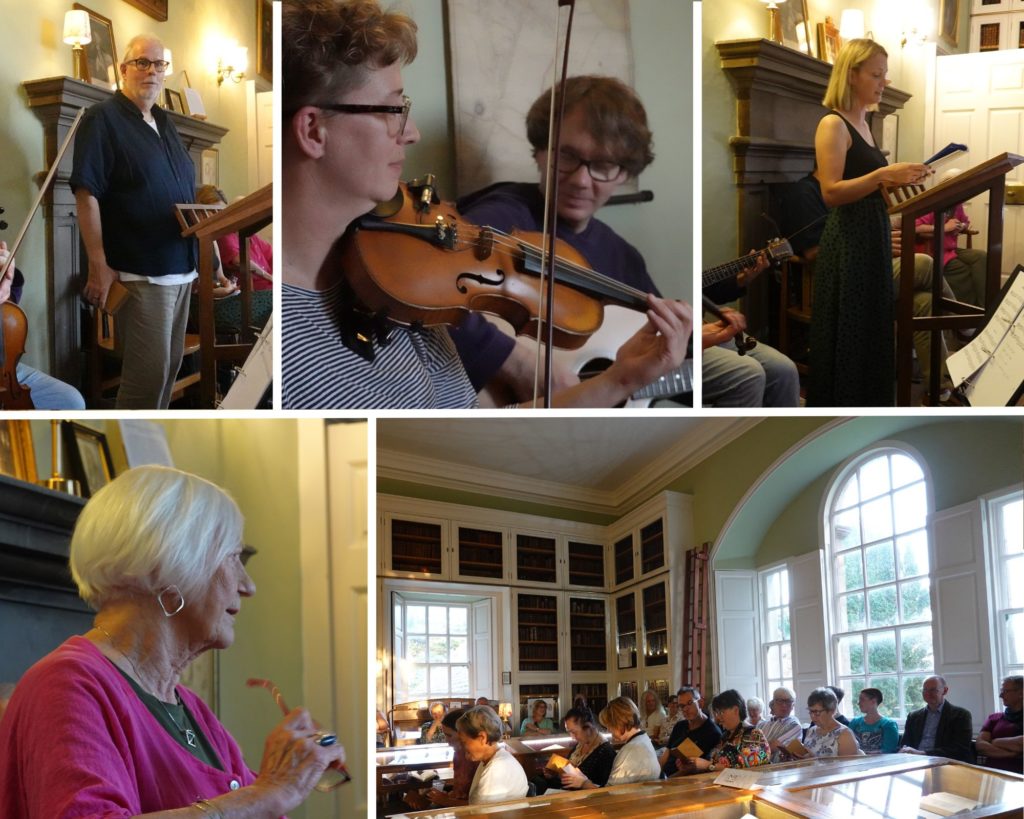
{"points": [[76, 741]]}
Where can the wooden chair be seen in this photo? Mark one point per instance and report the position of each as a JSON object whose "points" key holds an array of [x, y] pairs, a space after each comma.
{"points": [[796, 295]]}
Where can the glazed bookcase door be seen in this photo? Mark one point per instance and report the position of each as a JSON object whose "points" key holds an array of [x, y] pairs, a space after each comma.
{"points": [[537, 625], [416, 546], [586, 565], [538, 559], [480, 553]]}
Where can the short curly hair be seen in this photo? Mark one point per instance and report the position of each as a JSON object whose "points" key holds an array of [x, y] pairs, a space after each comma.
{"points": [[825, 697], [329, 46], [615, 118], [620, 713]]}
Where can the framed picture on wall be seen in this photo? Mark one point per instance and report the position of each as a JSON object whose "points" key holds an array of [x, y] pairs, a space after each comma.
{"points": [[264, 40], [101, 60], [157, 9], [796, 32], [17, 454], [828, 41], [949, 25], [174, 101], [88, 457]]}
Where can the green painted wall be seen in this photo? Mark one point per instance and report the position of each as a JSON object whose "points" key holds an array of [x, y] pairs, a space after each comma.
{"points": [[33, 50], [662, 33]]}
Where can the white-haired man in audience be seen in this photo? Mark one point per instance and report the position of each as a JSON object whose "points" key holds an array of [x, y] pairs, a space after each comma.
{"points": [[783, 727]]}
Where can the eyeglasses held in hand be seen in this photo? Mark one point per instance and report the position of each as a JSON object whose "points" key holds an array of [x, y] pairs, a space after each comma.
{"points": [[336, 774], [143, 64]]}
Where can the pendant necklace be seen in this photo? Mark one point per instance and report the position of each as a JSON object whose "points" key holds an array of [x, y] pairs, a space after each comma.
{"points": [[187, 733]]}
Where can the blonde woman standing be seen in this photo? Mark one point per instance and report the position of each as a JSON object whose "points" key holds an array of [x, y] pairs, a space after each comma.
{"points": [[852, 339]]}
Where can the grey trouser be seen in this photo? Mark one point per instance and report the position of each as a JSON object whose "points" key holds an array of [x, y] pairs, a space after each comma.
{"points": [[151, 338]]}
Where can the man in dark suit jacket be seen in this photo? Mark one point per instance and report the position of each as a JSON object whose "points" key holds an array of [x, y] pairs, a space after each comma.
{"points": [[940, 728]]}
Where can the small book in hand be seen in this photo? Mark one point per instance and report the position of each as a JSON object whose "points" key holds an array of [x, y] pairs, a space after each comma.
{"points": [[797, 748], [559, 764], [424, 776], [687, 749]]}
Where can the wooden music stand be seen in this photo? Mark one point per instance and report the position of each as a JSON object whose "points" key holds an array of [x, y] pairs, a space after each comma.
{"points": [[244, 217], [988, 176]]}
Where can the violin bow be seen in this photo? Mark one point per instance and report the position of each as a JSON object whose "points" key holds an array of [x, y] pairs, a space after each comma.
{"points": [[547, 278]]}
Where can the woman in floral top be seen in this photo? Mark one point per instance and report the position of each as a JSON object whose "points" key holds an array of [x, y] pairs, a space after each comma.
{"points": [[742, 745], [827, 736]]}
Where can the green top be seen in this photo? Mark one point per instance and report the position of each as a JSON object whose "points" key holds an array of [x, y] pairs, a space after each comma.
{"points": [[167, 714]]}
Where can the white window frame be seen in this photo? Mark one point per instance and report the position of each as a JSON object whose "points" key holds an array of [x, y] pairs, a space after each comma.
{"points": [[830, 499], [427, 634], [1001, 574], [773, 682]]}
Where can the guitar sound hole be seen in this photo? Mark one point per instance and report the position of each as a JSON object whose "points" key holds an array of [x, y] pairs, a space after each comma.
{"points": [[595, 366]]}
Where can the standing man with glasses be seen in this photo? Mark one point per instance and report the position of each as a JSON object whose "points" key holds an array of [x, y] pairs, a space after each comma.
{"points": [[130, 169]]}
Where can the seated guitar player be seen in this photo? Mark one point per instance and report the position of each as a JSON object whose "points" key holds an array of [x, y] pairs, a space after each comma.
{"points": [[605, 141], [47, 393]]}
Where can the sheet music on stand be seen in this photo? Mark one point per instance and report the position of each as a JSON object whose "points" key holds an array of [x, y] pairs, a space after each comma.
{"points": [[989, 371]]}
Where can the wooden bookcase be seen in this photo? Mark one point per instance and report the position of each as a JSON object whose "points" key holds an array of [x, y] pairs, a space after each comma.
{"points": [[588, 646], [536, 559], [481, 553], [655, 624], [623, 556], [652, 547], [586, 564], [416, 546], [537, 631], [625, 622], [595, 693]]}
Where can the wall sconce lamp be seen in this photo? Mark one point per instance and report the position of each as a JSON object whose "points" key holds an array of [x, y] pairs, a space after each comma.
{"points": [[76, 34], [774, 24], [232, 63]]}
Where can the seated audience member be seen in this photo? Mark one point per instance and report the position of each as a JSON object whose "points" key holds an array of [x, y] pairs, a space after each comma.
{"points": [[1001, 740], [538, 723], [383, 730], [482, 701], [963, 268], [635, 760], [755, 707], [670, 721], [783, 727], [693, 725], [499, 775], [827, 736], [742, 745], [592, 756], [840, 693], [653, 716], [432, 731], [261, 252], [940, 728], [875, 734], [463, 769]]}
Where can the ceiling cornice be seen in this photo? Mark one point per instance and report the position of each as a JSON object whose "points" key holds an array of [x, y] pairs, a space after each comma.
{"points": [[687, 453]]}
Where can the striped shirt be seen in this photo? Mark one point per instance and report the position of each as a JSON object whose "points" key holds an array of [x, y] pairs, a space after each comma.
{"points": [[416, 369]]}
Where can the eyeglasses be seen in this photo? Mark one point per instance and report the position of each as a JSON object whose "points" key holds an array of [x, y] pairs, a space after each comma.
{"points": [[600, 170], [336, 774], [816, 712], [144, 64], [346, 108]]}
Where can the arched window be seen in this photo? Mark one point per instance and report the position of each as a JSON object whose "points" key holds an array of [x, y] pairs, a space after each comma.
{"points": [[879, 578]]}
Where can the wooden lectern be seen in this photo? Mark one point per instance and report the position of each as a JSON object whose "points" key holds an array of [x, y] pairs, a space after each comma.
{"points": [[989, 176], [244, 217]]}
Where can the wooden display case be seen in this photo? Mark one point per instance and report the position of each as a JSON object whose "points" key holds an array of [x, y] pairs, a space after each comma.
{"points": [[537, 631], [480, 553], [586, 564], [536, 559], [588, 643], [625, 622]]}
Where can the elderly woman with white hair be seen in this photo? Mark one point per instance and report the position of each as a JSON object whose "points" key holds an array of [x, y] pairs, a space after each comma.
{"points": [[100, 726], [499, 775]]}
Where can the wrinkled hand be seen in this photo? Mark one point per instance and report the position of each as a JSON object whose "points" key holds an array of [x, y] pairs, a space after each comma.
{"points": [[292, 761], [224, 286], [718, 332], [659, 346], [97, 286]]}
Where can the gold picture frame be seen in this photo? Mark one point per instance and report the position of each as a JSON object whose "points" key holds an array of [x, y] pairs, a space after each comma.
{"points": [[101, 60], [265, 40], [17, 453]]}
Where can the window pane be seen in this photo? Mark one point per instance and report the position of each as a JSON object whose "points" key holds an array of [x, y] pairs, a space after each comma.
{"points": [[849, 574], [772, 594], [772, 662], [784, 583], [1014, 637], [439, 680], [459, 650], [882, 607], [851, 654], [851, 612], [785, 624], [418, 682], [911, 508], [876, 518], [417, 648], [460, 679], [916, 649], [457, 620], [882, 652], [398, 618], [890, 688], [847, 529], [438, 649], [849, 496], [879, 563], [916, 602], [773, 628], [1014, 591], [1012, 525], [912, 699], [904, 470], [913, 554], [787, 661], [874, 478], [438, 620], [416, 619]]}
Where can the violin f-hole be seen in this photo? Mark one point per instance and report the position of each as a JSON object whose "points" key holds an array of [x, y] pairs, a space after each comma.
{"points": [[480, 278]]}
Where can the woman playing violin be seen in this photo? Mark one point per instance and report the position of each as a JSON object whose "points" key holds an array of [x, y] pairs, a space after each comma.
{"points": [[347, 126]]}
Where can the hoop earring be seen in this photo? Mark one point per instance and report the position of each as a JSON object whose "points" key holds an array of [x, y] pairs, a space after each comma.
{"points": [[160, 600]]}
